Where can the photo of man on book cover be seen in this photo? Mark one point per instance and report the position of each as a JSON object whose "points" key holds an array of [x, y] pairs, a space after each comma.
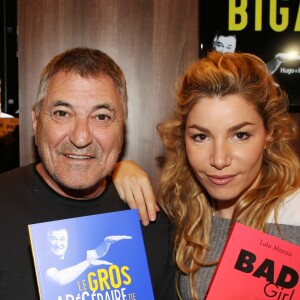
{"points": [[61, 267]]}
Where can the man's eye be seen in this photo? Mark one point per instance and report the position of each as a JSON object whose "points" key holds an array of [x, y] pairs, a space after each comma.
{"points": [[60, 114], [103, 117]]}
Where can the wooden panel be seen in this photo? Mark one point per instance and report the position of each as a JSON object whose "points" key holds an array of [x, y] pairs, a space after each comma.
{"points": [[153, 42]]}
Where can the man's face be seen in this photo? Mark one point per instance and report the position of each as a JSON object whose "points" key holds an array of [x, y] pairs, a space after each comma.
{"points": [[58, 242], [225, 44], [79, 133]]}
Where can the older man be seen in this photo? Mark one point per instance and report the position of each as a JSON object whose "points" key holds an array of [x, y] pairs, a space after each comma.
{"points": [[79, 121]]}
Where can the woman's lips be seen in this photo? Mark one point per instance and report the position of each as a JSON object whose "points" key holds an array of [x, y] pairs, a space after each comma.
{"points": [[221, 180]]}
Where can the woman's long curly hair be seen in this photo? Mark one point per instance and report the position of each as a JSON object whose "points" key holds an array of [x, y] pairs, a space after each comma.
{"points": [[181, 195]]}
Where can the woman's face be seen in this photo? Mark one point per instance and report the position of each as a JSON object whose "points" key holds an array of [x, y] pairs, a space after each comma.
{"points": [[225, 138]]}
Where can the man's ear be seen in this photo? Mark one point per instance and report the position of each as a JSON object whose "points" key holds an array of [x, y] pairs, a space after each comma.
{"points": [[34, 120]]}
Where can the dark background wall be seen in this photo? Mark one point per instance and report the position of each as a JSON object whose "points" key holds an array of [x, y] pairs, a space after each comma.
{"points": [[152, 40], [8, 57]]}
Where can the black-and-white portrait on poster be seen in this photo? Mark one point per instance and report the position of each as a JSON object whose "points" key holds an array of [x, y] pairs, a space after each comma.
{"points": [[269, 29]]}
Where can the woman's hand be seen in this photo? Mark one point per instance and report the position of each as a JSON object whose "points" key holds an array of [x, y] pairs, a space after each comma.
{"points": [[134, 187]]}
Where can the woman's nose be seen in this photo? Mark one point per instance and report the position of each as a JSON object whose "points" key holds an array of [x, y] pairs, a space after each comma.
{"points": [[220, 156]]}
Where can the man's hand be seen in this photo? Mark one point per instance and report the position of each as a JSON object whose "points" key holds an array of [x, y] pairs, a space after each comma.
{"points": [[283, 57], [115, 238], [98, 262]]}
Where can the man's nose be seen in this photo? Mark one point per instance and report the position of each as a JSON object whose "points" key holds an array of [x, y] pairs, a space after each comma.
{"points": [[81, 134]]}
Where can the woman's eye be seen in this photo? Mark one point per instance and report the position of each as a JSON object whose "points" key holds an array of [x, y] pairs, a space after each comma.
{"points": [[199, 137], [242, 136]]}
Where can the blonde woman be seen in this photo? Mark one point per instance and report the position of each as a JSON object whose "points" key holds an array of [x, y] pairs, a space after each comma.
{"points": [[228, 158]]}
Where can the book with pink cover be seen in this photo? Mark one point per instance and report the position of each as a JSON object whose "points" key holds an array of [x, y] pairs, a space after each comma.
{"points": [[256, 266]]}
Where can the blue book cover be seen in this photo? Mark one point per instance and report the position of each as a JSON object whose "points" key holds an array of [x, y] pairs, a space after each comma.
{"points": [[96, 257]]}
